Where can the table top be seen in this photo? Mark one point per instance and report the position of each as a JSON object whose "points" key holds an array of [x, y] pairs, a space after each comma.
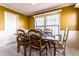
{"points": [[51, 38]]}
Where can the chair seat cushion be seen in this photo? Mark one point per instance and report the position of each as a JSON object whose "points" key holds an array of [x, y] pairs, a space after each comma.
{"points": [[59, 45], [23, 42]]}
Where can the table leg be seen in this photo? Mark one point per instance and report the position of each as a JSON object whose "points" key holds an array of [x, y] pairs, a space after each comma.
{"points": [[54, 49]]}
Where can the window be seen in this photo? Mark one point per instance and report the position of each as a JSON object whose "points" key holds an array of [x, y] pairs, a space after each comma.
{"points": [[48, 21], [52, 22], [39, 22]]}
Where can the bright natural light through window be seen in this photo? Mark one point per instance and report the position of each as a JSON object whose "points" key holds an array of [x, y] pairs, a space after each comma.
{"points": [[49, 20]]}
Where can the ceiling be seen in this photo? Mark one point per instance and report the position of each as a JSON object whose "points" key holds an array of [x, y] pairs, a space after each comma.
{"points": [[29, 8]]}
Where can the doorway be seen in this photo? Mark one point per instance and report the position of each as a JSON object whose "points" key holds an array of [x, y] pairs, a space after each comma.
{"points": [[11, 25]]}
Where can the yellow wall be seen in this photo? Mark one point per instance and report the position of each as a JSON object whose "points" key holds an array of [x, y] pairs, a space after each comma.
{"points": [[23, 21], [1, 19], [31, 22], [69, 17]]}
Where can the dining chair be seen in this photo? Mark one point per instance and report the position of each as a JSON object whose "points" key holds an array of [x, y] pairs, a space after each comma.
{"points": [[48, 32], [36, 42], [61, 46], [22, 40]]}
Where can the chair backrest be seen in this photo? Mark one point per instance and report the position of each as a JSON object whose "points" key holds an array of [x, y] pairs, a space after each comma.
{"points": [[39, 30], [48, 31], [20, 31], [35, 37], [20, 38], [65, 36]]}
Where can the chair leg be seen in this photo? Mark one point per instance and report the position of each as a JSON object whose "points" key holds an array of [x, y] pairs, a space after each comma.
{"points": [[40, 52], [18, 48], [30, 52], [64, 53], [46, 50], [54, 49], [24, 50], [49, 45]]}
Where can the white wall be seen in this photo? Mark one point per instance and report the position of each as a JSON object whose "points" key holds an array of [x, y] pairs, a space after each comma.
{"points": [[2, 38], [73, 39]]}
